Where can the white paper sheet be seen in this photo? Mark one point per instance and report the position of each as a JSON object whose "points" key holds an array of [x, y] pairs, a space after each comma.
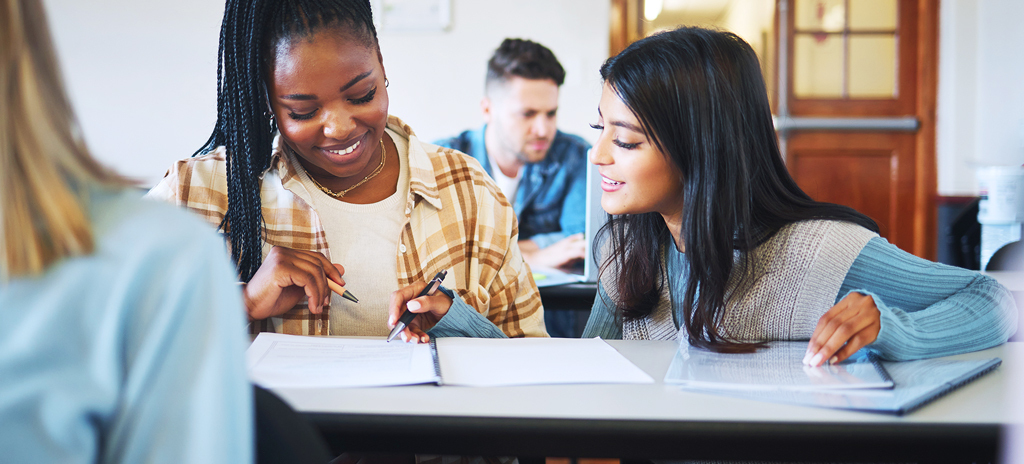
{"points": [[283, 361], [778, 367], [530, 361]]}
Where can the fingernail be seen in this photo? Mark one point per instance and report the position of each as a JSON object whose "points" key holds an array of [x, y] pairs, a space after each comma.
{"points": [[816, 359], [834, 360], [807, 356], [413, 305]]}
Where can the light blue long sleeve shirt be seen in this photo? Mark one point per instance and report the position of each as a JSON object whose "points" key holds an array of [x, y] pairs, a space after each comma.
{"points": [[464, 321], [927, 309], [134, 353]]}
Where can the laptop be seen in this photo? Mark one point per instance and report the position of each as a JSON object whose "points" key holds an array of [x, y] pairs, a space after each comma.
{"points": [[596, 217]]}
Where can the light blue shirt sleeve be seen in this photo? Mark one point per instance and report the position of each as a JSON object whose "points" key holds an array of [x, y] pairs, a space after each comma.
{"points": [[929, 309], [602, 322], [464, 321]]}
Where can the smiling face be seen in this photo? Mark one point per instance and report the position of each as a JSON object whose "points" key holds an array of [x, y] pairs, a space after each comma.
{"points": [[521, 116], [328, 96], [635, 175]]}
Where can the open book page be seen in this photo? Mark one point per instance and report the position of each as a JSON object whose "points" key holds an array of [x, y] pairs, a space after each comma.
{"points": [[917, 383], [778, 367], [283, 361], [528, 361]]}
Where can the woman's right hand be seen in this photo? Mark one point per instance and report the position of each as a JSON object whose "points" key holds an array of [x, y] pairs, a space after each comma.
{"points": [[287, 275]]}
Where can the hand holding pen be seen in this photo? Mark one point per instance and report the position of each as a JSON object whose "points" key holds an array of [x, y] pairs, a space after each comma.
{"points": [[414, 309]]}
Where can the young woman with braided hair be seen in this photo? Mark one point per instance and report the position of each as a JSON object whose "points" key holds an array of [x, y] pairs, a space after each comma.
{"points": [[309, 178], [713, 243]]}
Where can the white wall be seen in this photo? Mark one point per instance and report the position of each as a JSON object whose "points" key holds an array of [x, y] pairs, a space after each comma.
{"points": [[142, 75], [980, 112], [437, 79]]}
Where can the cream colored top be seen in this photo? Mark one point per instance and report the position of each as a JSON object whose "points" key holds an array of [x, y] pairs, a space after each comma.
{"points": [[364, 239]]}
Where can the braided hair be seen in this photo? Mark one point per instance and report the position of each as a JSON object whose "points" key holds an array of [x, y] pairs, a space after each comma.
{"points": [[245, 125]]}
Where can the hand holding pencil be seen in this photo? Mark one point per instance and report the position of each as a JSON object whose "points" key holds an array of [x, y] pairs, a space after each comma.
{"points": [[286, 276], [341, 291]]}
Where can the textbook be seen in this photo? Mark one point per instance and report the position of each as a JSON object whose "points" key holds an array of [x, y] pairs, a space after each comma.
{"points": [[778, 367], [294, 361], [915, 384]]}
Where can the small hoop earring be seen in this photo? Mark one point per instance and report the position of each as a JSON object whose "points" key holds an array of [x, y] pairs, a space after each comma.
{"points": [[386, 82], [270, 120]]}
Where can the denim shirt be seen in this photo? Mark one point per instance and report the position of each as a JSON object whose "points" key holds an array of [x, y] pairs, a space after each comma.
{"points": [[552, 195]]}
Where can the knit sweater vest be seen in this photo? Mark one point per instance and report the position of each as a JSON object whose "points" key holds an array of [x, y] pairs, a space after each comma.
{"points": [[794, 278]]}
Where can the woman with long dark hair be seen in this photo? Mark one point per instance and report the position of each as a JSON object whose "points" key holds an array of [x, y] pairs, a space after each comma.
{"points": [[309, 178], [713, 242]]}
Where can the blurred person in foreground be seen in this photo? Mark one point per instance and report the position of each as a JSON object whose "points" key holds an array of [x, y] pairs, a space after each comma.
{"points": [[123, 337]]}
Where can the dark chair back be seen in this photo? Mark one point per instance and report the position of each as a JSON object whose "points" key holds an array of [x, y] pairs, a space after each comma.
{"points": [[283, 436]]}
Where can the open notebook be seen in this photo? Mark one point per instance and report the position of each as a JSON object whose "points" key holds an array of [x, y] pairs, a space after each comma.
{"points": [[292, 361]]}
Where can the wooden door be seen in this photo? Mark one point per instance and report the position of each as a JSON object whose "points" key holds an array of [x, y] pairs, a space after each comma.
{"points": [[856, 109]]}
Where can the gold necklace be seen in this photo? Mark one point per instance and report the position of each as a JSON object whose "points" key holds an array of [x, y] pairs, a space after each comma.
{"points": [[380, 167]]}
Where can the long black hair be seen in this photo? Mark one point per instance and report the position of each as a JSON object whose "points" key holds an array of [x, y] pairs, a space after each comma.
{"points": [[245, 126], [700, 98]]}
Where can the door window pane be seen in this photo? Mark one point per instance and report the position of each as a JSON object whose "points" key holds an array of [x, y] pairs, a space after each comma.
{"points": [[873, 15], [818, 66], [752, 20], [845, 49], [872, 66], [820, 15]]}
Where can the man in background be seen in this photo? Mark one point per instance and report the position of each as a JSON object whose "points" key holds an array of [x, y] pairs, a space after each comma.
{"points": [[541, 170]]}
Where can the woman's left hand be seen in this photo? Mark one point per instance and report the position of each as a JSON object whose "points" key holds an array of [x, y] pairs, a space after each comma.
{"points": [[849, 326], [428, 310]]}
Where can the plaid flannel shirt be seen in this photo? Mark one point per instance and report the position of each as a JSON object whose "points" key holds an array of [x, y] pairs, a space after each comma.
{"points": [[456, 220]]}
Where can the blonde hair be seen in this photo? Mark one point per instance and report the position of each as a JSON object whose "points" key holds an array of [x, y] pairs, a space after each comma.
{"points": [[45, 168]]}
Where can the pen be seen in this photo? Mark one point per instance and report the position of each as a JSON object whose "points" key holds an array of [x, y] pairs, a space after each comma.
{"points": [[408, 316], [341, 291]]}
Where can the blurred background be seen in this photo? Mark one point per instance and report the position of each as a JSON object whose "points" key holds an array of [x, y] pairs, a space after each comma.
{"points": [[889, 106]]}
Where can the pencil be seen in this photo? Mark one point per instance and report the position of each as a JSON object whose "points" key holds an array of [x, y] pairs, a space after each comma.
{"points": [[341, 291]]}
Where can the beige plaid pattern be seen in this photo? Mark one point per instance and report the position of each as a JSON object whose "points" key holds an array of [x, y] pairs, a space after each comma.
{"points": [[457, 220]]}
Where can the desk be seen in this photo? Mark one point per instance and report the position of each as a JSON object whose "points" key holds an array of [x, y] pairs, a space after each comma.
{"points": [[655, 421]]}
